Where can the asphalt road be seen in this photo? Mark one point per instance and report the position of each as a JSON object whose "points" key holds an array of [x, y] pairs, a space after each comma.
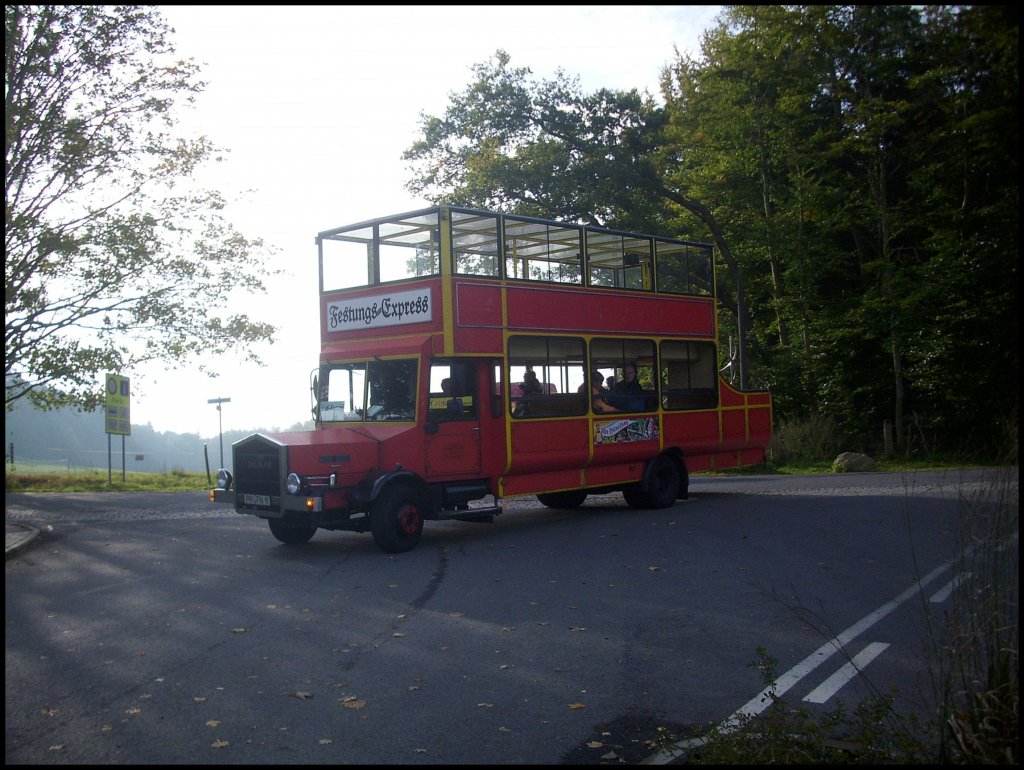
{"points": [[155, 628]]}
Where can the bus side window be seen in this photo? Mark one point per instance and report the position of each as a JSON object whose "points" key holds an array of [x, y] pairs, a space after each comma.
{"points": [[452, 390], [689, 375]]}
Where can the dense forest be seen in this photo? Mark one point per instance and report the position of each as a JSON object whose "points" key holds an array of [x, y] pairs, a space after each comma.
{"points": [[856, 169]]}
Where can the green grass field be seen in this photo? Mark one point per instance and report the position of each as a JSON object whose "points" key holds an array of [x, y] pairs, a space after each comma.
{"points": [[44, 477]]}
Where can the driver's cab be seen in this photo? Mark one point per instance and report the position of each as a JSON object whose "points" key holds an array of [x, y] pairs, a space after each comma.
{"points": [[366, 391]]}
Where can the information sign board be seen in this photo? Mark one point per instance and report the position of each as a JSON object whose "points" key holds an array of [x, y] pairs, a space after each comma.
{"points": [[117, 410]]}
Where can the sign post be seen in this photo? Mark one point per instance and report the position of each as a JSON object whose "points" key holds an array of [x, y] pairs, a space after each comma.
{"points": [[117, 415], [220, 424]]}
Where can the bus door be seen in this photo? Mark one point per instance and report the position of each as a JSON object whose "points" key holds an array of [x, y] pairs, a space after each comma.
{"points": [[453, 419]]}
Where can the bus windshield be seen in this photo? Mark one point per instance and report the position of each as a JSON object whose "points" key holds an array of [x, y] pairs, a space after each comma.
{"points": [[368, 391]]}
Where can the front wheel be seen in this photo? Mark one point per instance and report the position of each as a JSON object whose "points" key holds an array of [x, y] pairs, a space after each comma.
{"points": [[396, 519], [289, 533]]}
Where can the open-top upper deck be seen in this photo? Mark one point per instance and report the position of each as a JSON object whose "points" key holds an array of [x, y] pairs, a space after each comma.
{"points": [[445, 240], [459, 280]]}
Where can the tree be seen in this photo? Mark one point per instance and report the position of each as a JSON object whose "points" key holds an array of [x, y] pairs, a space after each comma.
{"points": [[862, 162], [540, 148], [111, 260], [856, 167], [546, 149]]}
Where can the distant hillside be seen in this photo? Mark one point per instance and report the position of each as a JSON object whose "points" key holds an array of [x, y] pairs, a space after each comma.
{"points": [[79, 440]]}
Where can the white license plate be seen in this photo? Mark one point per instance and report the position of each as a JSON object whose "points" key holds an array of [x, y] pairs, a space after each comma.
{"points": [[256, 499]]}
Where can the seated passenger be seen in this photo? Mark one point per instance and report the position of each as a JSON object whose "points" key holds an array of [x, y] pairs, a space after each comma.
{"points": [[628, 393], [531, 387], [597, 393]]}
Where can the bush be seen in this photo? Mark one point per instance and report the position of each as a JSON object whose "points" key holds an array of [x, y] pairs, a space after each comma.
{"points": [[804, 440]]}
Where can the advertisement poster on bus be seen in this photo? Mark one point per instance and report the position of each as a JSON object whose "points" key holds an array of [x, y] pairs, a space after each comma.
{"points": [[625, 431]]}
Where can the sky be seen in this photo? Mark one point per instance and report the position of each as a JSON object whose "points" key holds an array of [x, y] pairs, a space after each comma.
{"points": [[315, 106]]}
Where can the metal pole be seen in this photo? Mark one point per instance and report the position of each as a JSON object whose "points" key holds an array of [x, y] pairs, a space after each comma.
{"points": [[220, 423], [220, 426]]}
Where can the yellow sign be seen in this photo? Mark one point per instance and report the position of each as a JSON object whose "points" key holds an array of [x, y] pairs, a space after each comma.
{"points": [[118, 405]]}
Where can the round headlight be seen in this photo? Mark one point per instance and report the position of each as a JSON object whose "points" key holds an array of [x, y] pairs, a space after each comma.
{"points": [[224, 479], [293, 483]]}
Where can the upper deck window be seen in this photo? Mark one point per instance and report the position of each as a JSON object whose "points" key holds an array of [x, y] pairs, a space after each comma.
{"points": [[619, 260], [536, 250], [475, 244], [405, 246], [509, 247], [683, 268]]}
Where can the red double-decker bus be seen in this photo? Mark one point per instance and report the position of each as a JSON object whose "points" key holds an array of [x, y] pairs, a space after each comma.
{"points": [[469, 356]]}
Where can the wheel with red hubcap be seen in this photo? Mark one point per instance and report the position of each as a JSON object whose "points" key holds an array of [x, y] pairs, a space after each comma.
{"points": [[396, 519]]}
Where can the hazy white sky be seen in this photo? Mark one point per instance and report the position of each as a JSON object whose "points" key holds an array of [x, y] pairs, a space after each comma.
{"points": [[316, 105]]}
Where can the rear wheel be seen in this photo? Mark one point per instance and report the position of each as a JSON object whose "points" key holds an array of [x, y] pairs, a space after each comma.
{"points": [[572, 498], [664, 485], [290, 533], [396, 519]]}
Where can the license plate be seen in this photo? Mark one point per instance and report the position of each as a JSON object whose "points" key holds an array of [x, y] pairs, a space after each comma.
{"points": [[256, 499]]}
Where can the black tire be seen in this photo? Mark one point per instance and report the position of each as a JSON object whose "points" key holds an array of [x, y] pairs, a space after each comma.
{"points": [[289, 533], [635, 498], [684, 483], [664, 486], [572, 498], [396, 519]]}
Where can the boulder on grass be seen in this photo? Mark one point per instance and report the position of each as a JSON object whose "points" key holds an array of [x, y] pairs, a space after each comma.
{"points": [[851, 462]]}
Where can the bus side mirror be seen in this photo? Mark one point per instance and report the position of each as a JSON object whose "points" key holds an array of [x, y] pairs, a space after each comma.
{"points": [[430, 427], [315, 391]]}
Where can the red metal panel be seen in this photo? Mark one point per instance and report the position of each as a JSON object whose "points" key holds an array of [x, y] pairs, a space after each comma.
{"points": [[615, 474], [725, 460], [532, 483], [759, 421], [754, 456], [693, 432], [607, 311], [370, 347], [734, 428], [476, 341], [729, 395], [477, 304], [540, 445]]}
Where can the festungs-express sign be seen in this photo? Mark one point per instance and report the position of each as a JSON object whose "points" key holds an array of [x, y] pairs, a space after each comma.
{"points": [[379, 310]]}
